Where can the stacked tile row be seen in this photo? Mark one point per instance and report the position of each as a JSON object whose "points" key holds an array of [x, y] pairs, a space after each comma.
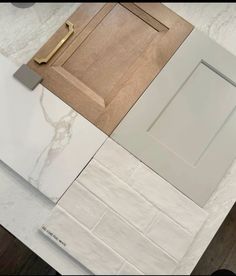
{"points": [[119, 217]]}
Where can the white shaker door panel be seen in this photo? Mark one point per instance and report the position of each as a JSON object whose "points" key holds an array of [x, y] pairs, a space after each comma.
{"points": [[184, 125]]}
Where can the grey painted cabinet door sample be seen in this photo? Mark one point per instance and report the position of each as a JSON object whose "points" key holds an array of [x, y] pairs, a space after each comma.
{"points": [[184, 125]]}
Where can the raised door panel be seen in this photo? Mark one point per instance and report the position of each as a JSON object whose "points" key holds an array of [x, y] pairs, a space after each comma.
{"points": [[116, 50], [184, 126]]}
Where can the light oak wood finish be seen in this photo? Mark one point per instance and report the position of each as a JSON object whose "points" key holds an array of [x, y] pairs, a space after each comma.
{"points": [[115, 52]]}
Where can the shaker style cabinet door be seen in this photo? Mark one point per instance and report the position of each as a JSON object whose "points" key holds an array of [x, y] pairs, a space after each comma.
{"points": [[184, 125], [105, 56]]}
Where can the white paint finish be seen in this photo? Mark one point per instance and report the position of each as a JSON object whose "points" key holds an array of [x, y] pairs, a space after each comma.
{"points": [[139, 251], [118, 160], [128, 269], [168, 199], [42, 138], [82, 205], [94, 254], [185, 128], [23, 211], [117, 194], [170, 236]]}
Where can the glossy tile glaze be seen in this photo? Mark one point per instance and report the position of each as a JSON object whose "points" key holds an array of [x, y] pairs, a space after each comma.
{"points": [[104, 221], [31, 28], [218, 21]]}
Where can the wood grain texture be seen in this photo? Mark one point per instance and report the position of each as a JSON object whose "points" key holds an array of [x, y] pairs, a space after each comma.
{"points": [[221, 252], [114, 54], [145, 17], [17, 259]]}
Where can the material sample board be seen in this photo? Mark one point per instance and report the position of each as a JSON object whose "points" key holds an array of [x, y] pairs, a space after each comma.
{"points": [[42, 138], [110, 55], [184, 125], [119, 217]]}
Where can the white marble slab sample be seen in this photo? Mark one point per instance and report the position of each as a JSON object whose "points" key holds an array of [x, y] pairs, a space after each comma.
{"points": [[42, 138], [23, 213], [27, 31], [121, 216]]}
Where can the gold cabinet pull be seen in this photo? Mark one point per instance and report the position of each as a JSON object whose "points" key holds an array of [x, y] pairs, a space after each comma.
{"points": [[53, 52]]}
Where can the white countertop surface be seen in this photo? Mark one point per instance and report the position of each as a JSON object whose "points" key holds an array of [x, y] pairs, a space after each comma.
{"points": [[23, 208], [43, 139]]}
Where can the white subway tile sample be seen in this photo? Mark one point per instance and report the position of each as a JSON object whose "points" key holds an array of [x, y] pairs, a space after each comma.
{"points": [[118, 195], [133, 246], [124, 217], [20, 43], [82, 244], [83, 205], [177, 239], [128, 269]]}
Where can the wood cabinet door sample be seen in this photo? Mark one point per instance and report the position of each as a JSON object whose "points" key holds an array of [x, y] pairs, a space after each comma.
{"points": [[116, 50], [184, 125]]}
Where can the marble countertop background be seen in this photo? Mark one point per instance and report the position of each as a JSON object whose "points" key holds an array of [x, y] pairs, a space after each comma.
{"points": [[24, 32], [218, 21]]}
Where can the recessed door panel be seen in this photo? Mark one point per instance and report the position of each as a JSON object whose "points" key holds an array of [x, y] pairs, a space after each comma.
{"points": [[194, 116], [103, 60], [184, 125], [114, 52]]}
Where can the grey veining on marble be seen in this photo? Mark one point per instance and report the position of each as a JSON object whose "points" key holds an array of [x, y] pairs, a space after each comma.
{"points": [[62, 132], [24, 32], [217, 20], [23, 210], [42, 138]]}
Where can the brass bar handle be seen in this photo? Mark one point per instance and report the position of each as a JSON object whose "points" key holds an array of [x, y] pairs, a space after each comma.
{"points": [[53, 52]]}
